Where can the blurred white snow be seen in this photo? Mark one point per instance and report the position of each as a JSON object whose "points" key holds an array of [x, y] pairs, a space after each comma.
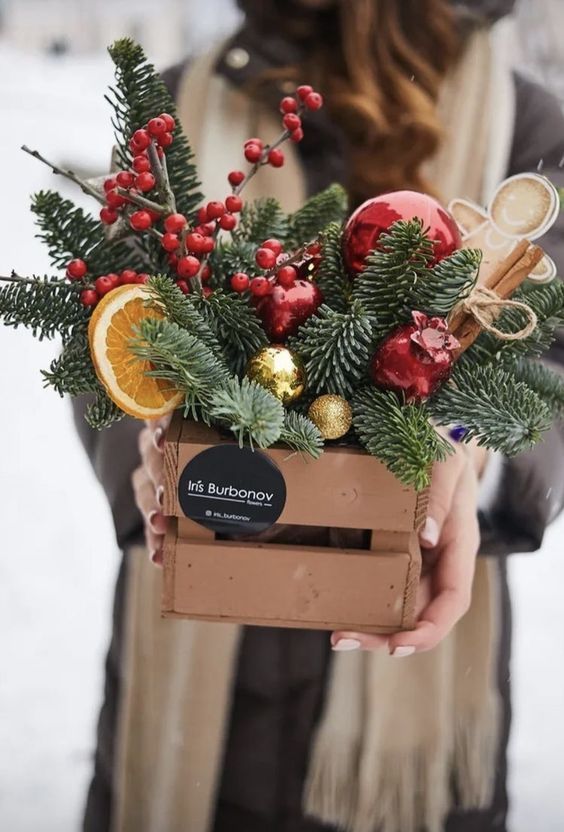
{"points": [[59, 558]]}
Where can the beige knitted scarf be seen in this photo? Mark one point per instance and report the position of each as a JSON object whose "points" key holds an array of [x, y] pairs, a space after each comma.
{"points": [[394, 731]]}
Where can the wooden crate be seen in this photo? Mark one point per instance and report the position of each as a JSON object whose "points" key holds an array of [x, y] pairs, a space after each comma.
{"points": [[280, 585]]}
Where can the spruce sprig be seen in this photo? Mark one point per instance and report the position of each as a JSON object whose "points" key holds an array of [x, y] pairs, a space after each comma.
{"points": [[438, 290], [336, 348], [181, 359], [328, 206], [252, 413], [301, 434], [400, 436], [392, 271], [331, 276], [45, 305], [499, 412], [547, 384]]}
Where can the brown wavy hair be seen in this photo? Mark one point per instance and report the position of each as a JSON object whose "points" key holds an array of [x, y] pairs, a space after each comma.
{"points": [[380, 65]]}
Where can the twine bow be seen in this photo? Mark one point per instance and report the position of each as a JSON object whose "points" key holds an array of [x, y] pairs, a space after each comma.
{"points": [[486, 305]]}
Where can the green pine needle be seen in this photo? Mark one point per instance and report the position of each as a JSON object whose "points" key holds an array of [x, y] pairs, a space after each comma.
{"points": [[45, 305], [301, 434], [385, 285], [181, 359], [439, 289], [260, 220], [235, 325], [251, 412], [547, 384], [331, 276], [181, 309], [328, 206], [499, 412], [401, 436], [73, 372], [336, 348], [102, 412]]}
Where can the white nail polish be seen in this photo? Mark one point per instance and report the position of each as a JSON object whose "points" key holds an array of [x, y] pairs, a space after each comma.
{"points": [[150, 519], [430, 532], [398, 652], [157, 436], [346, 644], [160, 495]]}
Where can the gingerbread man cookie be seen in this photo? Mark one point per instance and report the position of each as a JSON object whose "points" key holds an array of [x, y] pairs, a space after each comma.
{"points": [[523, 207]]}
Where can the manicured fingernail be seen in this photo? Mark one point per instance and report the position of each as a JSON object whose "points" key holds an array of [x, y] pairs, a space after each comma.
{"points": [[398, 652], [151, 520], [160, 495], [159, 439], [157, 557], [430, 532], [346, 644]]}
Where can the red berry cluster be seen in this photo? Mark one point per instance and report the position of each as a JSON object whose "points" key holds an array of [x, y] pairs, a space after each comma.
{"points": [[140, 178], [96, 288], [271, 258]]}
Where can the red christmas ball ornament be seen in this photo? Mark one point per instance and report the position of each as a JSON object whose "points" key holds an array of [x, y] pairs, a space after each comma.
{"points": [[284, 310], [376, 216], [414, 358]]}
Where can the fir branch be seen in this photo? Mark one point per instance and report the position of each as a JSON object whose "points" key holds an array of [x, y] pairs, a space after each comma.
{"points": [[139, 95], [391, 272], [180, 309], [497, 411], [102, 412], [439, 289], [547, 384], [328, 206], [230, 257], [73, 372], [181, 359], [335, 348], [250, 411], [70, 232], [45, 305], [260, 220], [235, 325], [331, 276], [547, 302], [401, 436], [301, 434]]}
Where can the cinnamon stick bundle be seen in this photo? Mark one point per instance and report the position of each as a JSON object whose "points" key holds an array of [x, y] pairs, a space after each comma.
{"points": [[506, 278]]}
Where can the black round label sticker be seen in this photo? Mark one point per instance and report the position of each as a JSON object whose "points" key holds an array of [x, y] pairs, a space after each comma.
{"points": [[232, 490]]}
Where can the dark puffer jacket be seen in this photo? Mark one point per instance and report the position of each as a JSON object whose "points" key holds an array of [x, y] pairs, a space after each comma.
{"points": [[282, 673]]}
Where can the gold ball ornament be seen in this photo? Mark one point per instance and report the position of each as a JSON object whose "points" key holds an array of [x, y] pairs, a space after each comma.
{"points": [[332, 416], [280, 371]]}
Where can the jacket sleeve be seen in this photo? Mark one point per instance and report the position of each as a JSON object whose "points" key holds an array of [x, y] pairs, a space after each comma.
{"points": [[530, 488]]}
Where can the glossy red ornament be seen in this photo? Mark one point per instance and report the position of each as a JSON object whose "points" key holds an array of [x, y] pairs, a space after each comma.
{"points": [[377, 215], [286, 309], [414, 358]]}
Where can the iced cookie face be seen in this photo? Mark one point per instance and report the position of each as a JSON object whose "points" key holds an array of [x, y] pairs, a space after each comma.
{"points": [[524, 206]]}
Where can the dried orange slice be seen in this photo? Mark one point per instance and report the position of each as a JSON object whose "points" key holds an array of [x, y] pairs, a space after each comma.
{"points": [[110, 330]]}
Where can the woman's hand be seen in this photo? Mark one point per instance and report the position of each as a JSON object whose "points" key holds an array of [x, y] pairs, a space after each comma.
{"points": [[148, 487], [450, 540]]}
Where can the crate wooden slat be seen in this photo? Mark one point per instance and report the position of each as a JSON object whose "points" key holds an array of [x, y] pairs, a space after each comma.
{"points": [[276, 584]]}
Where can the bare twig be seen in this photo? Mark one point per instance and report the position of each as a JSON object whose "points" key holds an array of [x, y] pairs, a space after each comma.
{"points": [[68, 174]]}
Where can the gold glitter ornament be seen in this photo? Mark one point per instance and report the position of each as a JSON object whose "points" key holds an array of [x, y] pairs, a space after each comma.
{"points": [[332, 416], [280, 371]]}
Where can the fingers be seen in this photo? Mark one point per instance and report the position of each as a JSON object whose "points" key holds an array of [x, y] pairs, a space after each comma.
{"points": [[342, 640], [444, 483], [452, 576], [147, 485], [151, 444]]}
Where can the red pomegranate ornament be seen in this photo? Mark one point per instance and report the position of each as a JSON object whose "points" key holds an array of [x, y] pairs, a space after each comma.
{"points": [[375, 216], [415, 358], [284, 310]]}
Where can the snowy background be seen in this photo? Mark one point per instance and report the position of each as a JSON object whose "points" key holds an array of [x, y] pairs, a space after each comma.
{"points": [[59, 558]]}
